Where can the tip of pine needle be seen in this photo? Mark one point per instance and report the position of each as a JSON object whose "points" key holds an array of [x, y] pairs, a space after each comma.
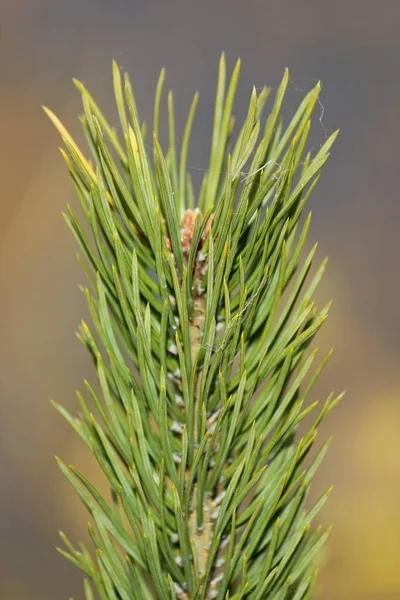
{"points": [[50, 114], [335, 134]]}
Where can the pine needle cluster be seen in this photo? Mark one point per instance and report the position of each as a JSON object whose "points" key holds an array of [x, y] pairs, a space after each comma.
{"points": [[202, 321]]}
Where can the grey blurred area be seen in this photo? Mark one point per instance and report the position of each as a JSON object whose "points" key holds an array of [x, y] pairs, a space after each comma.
{"points": [[353, 47]]}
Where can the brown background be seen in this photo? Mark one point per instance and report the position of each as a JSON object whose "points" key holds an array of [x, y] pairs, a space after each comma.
{"points": [[353, 46]]}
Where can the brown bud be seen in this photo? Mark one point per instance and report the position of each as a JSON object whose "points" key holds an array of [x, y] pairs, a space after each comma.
{"points": [[187, 229]]}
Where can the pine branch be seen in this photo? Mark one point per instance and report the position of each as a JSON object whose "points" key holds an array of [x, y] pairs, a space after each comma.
{"points": [[202, 321]]}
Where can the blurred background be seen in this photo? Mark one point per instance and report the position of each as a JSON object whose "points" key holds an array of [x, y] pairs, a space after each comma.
{"points": [[353, 46]]}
